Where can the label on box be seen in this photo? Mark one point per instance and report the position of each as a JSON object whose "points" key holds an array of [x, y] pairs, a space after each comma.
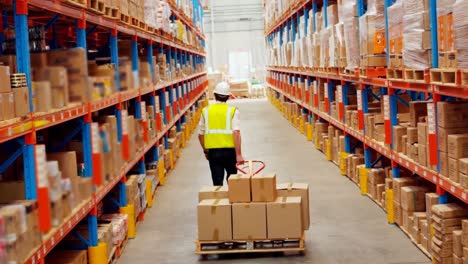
{"points": [[95, 138], [143, 110], [41, 166], [167, 98], [325, 85], [124, 122], [359, 100], [136, 79], [339, 89], [386, 107], [431, 118], [157, 105]]}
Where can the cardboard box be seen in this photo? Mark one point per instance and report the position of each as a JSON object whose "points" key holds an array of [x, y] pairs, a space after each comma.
{"points": [[5, 87], [464, 180], [239, 188], [458, 146], [450, 210], [212, 192], [42, 100], [412, 133], [295, 190], [452, 114], [422, 155], [417, 110], [443, 133], [7, 106], [249, 221], [21, 97], [463, 165], [76, 62], [398, 214], [398, 183], [263, 188], [398, 133], [413, 198], [57, 76], [443, 160], [284, 218], [453, 170], [214, 220], [422, 133], [457, 243], [431, 199]]}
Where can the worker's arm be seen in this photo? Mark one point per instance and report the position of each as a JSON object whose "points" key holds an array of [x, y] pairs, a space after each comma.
{"points": [[201, 134], [238, 146]]}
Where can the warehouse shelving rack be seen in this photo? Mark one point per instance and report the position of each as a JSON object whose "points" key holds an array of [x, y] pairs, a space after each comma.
{"points": [[184, 96], [284, 81]]}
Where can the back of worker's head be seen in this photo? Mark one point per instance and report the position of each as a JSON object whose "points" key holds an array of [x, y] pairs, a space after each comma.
{"points": [[222, 91]]}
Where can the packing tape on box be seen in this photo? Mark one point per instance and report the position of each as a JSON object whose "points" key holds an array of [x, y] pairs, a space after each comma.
{"points": [[216, 234], [290, 186], [217, 188], [213, 207]]}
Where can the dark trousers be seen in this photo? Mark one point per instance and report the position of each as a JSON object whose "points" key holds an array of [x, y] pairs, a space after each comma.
{"points": [[222, 160]]}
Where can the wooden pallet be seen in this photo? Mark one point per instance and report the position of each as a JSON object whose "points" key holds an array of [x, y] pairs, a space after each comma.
{"points": [[395, 74], [372, 72], [111, 12], [124, 18], [418, 76], [78, 3], [447, 77], [350, 73], [96, 6], [117, 251], [252, 246]]}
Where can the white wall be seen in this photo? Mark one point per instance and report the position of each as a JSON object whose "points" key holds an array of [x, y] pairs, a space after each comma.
{"points": [[238, 26]]}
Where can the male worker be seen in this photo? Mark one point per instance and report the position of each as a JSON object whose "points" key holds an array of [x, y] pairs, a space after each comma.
{"points": [[219, 135]]}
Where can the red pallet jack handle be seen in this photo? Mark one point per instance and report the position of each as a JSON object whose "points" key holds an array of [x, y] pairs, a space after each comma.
{"points": [[241, 166]]}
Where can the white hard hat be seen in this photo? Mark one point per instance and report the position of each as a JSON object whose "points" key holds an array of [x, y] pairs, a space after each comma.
{"points": [[222, 88]]}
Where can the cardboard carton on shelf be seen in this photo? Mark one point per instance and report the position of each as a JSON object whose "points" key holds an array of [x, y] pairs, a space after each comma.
{"points": [[413, 198], [239, 188], [42, 100], [452, 114], [7, 106], [5, 87], [284, 218], [213, 192], [249, 221], [57, 77], [21, 98], [214, 220], [458, 146], [67, 256]]}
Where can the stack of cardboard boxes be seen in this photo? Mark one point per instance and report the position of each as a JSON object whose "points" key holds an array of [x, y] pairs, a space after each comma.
{"points": [[457, 30], [372, 35], [14, 94], [253, 208], [446, 33], [446, 218], [452, 140]]}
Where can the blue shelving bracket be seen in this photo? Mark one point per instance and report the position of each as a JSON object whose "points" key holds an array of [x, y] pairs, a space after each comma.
{"points": [[325, 13], [68, 137], [166, 142], [81, 238], [162, 103], [91, 30], [87, 146], [22, 43], [122, 192], [434, 36], [93, 228], [6, 164], [52, 21], [314, 8], [81, 34], [395, 170], [114, 52], [377, 161], [135, 62], [367, 156]]}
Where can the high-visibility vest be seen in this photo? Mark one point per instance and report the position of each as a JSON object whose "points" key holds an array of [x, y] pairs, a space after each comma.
{"points": [[218, 126]]}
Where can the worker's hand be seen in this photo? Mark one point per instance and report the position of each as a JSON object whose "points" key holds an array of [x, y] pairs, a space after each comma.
{"points": [[240, 159]]}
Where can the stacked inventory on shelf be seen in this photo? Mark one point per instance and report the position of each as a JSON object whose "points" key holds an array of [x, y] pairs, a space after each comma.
{"points": [[97, 101], [381, 91]]}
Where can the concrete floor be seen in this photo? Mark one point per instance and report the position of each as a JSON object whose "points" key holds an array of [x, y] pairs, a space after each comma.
{"points": [[345, 226]]}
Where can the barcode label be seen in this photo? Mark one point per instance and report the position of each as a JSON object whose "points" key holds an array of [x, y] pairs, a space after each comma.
{"points": [[386, 107]]}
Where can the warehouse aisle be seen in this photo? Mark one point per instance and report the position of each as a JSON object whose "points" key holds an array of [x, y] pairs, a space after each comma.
{"points": [[345, 226]]}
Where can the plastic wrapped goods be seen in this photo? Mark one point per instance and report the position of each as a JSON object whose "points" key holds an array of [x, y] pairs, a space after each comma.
{"points": [[395, 24], [350, 30], [460, 29], [417, 40]]}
